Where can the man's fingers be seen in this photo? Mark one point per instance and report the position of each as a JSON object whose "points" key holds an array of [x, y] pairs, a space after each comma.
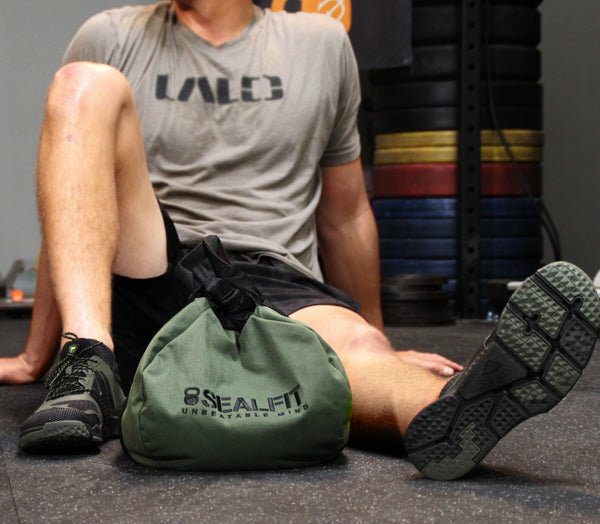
{"points": [[432, 361]]}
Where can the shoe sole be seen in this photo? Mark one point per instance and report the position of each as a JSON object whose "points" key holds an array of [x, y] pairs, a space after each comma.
{"points": [[64, 436], [545, 338]]}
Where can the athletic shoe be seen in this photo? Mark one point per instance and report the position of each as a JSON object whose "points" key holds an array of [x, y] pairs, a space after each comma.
{"points": [[84, 403], [536, 354]]}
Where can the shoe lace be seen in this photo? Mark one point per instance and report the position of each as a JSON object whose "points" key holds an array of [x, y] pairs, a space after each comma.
{"points": [[59, 382]]}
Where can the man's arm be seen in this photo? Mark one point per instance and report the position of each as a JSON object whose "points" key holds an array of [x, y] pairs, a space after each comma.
{"points": [[350, 249], [348, 237], [41, 346]]}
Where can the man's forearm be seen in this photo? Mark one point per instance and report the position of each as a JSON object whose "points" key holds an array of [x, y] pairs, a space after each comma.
{"points": [[351, 258]]}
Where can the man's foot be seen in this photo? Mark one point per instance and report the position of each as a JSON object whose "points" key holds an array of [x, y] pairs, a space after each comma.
{"points": [[84, 404], [536, 354]]}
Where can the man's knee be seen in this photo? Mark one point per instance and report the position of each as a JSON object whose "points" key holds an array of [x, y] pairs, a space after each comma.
{"points": [[87, 87], [368, 340]]}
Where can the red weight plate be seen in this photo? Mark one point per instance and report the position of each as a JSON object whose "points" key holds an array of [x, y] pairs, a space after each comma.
{"points": [[440, 180]]}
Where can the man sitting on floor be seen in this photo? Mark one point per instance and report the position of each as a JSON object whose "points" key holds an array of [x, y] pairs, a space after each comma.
{"points": [[243, 123]]}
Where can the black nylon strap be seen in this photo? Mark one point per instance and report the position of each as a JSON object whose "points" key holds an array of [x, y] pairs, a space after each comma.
{"points": [[232, 295]]}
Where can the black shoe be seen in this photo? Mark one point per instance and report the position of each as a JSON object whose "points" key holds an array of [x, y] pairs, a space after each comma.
{"points": [[544, 339], [84, 404]]}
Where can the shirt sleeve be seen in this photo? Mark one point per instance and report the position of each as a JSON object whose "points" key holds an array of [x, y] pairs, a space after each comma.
{"points": [[95, 41], [344, 143]]}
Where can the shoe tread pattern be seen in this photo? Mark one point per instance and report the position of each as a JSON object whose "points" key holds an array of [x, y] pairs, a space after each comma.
{"points": [[549, 330]]}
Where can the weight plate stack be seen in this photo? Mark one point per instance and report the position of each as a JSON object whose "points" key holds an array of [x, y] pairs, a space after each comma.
{"points": [[415, 300], [416, 118], [419, 235]]}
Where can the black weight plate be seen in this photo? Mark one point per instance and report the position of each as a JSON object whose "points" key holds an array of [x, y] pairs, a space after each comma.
{"points": [[514, 269], [447, 93], [450, 248], [500, 23], [440, 118], [447, 227], [491, 207], [507, 62], [413, 281], [522, 3], [418, 314], [391, 295]]}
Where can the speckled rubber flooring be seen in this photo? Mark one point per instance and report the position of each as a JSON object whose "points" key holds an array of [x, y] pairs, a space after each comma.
{"points": [[546, 470]]}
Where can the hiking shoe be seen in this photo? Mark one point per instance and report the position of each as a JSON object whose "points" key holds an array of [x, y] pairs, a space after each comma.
{"points": [[84, 402], [536, 354]]}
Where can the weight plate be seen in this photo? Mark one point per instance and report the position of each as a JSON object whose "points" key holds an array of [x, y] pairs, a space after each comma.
{"points": [[417, 313], [511, 227], [447, 93], [417, 227], [489, 137], [448, 227], [448, 118], [514, 269], [508, 207], [507, 62], [420, 180], [492, 207], [392, 295], [414, 281], [524, 3], [450, 248], [412, 155], [506, 24]]}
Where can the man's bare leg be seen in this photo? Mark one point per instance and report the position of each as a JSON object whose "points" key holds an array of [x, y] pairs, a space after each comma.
{"points": [[387, 391], [99, 215], [543, 341], [97, 207]]}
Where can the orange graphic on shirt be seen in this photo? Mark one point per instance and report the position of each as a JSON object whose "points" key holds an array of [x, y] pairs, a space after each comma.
{"points": [[339, 9]]}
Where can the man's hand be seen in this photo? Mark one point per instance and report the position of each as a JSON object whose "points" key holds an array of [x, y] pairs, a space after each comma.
{"points": [[431, 361], [16, 370]]}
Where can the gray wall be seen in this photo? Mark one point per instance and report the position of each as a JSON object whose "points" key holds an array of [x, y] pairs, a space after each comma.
{"points": [[33, 35]]}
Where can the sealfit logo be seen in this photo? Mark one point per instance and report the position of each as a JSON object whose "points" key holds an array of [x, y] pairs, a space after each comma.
{"points": [[204, 402]]}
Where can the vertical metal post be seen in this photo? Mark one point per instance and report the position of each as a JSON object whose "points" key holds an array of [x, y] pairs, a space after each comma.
{"points": [[469, 190]]}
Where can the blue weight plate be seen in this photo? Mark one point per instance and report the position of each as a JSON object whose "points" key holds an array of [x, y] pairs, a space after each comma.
{"points": [[491, 207], [450, 248], [514, 269], [508, 207], [447, 227], [415, 208], [420, 228]]}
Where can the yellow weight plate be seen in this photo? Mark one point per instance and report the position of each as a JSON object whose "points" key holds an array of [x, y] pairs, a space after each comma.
{"points": [[416, 155], [489, 137], [520, 154]]}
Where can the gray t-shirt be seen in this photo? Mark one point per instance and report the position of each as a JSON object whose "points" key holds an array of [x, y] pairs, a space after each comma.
{"points": [[234, 134]]}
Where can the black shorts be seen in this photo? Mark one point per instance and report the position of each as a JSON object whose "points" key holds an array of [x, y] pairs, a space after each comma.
{"points": [[142, 306]]}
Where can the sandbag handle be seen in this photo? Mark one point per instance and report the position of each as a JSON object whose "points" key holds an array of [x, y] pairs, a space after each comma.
{"points": [[231, 293]]}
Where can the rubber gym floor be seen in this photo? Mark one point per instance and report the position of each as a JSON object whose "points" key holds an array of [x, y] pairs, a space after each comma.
{"points": [[545, 470]]}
